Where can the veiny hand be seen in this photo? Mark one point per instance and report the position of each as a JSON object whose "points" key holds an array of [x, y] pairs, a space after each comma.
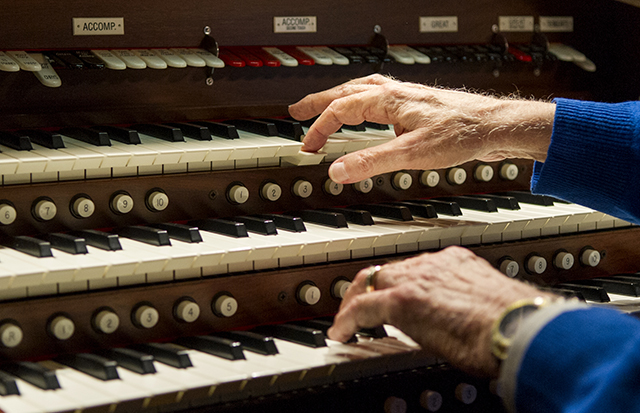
{"points": [[435, 128], [446, 301]]}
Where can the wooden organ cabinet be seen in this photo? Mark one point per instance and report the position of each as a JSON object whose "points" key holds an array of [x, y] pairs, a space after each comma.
{"points": [[154, 194]]}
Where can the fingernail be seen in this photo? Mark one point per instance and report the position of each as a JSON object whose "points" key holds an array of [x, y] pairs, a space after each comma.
{"points": [[338, 173]]}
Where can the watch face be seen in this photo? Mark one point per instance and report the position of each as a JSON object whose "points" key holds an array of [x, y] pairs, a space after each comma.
{"points": [[514, 319]]}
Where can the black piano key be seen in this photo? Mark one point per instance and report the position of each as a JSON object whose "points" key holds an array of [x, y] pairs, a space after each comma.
{"points": [[442, 207], [100, 239], [616, 285], [251, 341], [358, 128], [136, 361], [96, 366], [398, 213], [8, 385], [309, 337], [377, 126], [326, 218], [191, 130], [476, 204], [32, 246], [217, 346], [34, 373], [166, 133], [590, 292], [221, 130], [17, 141], [287, 128], [124, 135], [148, 235], [374, 332], [166, 353], [286, 222], [529, 198], [88, 135], [354, 216], [185, 233], [501, 201], [51, 140], [349, 54], [222, 227], [68, 243], [90, 60], [419, 210], [258, 225], [316, 324], [254, 126]]}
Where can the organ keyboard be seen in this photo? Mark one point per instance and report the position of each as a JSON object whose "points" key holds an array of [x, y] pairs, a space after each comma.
{"points": [[166, 246]]}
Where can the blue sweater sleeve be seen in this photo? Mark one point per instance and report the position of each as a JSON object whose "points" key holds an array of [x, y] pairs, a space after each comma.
{"points": [[583, 361], [594, 157]]}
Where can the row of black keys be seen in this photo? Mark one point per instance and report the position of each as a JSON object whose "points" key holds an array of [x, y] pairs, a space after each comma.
{"points": [[140, 358], [598, 289], [171, 132], [268, 224]]}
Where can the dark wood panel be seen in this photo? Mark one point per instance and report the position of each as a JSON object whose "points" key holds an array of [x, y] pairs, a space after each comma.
{"points": [[204, 195]]}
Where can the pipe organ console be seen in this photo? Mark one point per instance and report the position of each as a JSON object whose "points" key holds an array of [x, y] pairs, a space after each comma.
{"points": [[166, 246]]}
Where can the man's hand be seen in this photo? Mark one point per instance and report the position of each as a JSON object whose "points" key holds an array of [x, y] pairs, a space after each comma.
{"points": [[435, 128], [446, 301]]}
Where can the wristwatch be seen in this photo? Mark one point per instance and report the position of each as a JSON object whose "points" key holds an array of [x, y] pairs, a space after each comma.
{"points": [[505, 327]]}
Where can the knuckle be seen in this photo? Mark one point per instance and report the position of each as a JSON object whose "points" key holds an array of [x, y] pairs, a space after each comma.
{"points": [[365, 162]]}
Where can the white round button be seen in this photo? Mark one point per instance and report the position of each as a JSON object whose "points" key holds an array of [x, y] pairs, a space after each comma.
{"points": [[106, 322], [536, 264], [563, 260], [271, 191], [364, 186], [238, 194], [333, 188], [590, 258], [62, 328], [187, 311], [431, 400], [83, 207], [122, 203], [146, 316], [402, 180], [158, 201], [8, 214], [456, 176], [509, 171], [466, 393], [510, 268], [10, 334], [45, 210], [302, 188], [430, 178], [309, 294], [483, 173], [225, 306], [340, 288]]}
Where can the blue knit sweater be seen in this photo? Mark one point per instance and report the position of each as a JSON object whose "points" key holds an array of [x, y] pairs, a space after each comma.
{"points": [[583, 359]]}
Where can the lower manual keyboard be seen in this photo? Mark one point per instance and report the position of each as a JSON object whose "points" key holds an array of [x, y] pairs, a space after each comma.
{"points": [[213, 379]]}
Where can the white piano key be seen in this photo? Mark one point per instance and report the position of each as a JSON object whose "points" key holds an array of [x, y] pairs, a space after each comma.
{"points": [[265, 148], [167, 154], [140, 154], [149, 259], [28, 163], [216, 149], [46, 400], [89, 266], [57, 160], [305, 158], [162, 391], [38, 270], [77, 391], [8, 165], [85, 158], [206, 253], [17, 404]]}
